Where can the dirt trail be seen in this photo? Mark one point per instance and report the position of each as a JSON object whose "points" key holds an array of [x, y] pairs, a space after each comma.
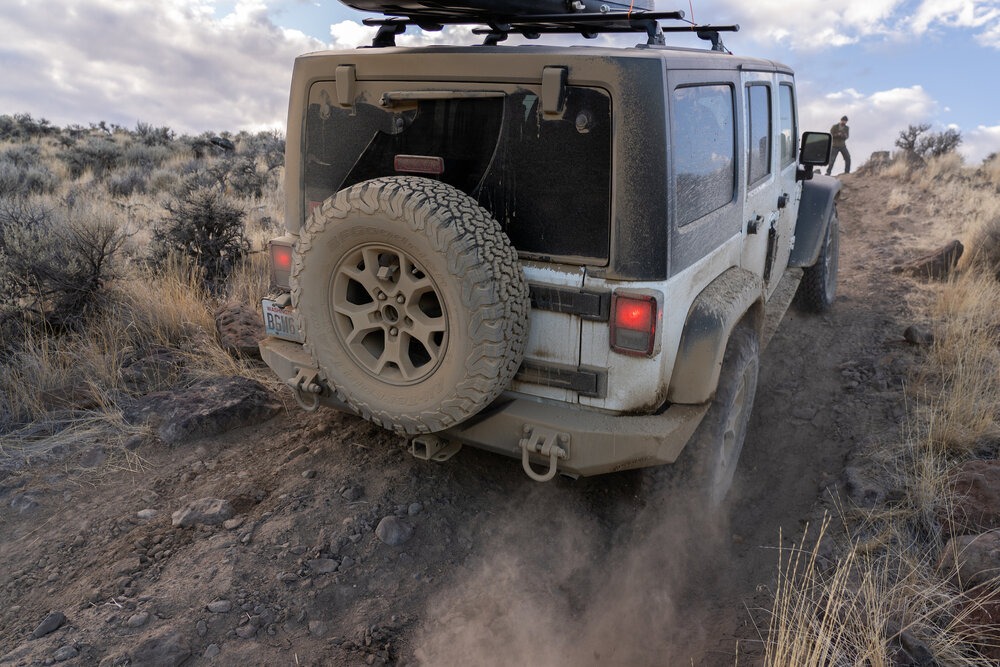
{"points": [[499, 569]]}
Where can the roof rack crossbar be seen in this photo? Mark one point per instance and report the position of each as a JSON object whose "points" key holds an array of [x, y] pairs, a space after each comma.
{"points": [[589, 24]]}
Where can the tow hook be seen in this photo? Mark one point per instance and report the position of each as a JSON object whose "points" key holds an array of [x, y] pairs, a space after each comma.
{"points": [[306, 385], [538, 440]]}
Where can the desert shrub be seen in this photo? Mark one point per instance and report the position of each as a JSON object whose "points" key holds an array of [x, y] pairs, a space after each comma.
{"points": [[163, 180], [244, 178], [53, 266], [99, 155], [127, 182], [269, 147], [26, 180], [21, 172], [205, 228], [916, 142], [940, 143], [21, 126], [153, 136], [146, 156], [22, 155]]}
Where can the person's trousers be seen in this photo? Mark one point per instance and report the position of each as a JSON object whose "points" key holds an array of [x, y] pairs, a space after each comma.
{"points": [[841, 150]]}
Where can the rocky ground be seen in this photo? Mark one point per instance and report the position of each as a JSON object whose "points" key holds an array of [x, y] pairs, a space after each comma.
{"points": [[315, 538]]}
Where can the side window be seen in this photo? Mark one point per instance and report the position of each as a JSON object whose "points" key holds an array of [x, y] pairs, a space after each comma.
{"points": [[759, 112], [786, 119], [704, 146]]}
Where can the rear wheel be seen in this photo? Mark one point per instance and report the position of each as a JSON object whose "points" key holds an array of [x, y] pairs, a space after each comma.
{"points": [[707, 466], [818, 288], [412, 302]]}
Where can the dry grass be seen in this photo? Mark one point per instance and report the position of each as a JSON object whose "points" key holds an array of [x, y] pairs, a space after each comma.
{"points": [[53, 386], [947, 167], [991, 171], [961, 378], [884, 592], [868, 608], [898, 198], [984, 240]]}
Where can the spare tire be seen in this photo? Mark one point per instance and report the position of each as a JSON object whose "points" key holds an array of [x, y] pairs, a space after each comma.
{"points": [[412, 302]]}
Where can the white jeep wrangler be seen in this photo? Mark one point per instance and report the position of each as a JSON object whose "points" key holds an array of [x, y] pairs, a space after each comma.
{"points": [[570, 255]]}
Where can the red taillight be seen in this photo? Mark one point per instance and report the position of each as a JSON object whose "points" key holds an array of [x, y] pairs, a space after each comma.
{"points": [[281, 262], [633, 324]]}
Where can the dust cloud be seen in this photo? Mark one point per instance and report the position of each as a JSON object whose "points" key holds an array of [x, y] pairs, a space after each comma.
{"points": [[586, 573]]}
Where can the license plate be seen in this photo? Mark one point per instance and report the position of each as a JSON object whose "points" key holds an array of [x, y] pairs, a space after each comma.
{"points": [[280, 322]]}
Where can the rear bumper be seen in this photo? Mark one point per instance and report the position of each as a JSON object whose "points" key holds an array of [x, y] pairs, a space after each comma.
{"points": [[597, 442]]}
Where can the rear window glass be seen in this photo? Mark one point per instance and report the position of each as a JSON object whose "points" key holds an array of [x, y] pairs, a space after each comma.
{"points": [[704, 146], [546, 181]]}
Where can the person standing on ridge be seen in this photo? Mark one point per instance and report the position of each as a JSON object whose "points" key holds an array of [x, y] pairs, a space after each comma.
{"points": [[840, 133]]}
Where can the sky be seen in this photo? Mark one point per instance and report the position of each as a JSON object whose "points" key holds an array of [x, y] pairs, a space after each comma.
{"points": [[198, 65]]}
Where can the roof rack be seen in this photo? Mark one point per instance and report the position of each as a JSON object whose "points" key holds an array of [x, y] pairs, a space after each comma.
{"points": [[589, 25]]}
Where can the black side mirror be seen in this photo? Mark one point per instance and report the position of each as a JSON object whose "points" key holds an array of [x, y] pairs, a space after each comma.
{"points": [[815, 148]]}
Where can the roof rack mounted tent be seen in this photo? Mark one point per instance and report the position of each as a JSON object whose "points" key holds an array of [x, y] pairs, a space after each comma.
{"points": [[433, 16]]}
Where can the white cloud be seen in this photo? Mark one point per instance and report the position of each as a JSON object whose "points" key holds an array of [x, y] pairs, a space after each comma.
{"points": [[979, 14], [980, 142], [821, 24], [172, 62], [876, 119], [809, 24]]}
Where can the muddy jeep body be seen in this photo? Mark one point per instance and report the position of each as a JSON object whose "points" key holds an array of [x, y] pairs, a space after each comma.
{"points": [[657, 203]]}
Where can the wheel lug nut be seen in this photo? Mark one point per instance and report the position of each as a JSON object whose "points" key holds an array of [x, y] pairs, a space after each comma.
{"points": [[393, 331], [400, 299], [381, 296]]}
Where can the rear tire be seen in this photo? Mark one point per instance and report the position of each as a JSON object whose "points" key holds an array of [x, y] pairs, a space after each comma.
{"points": [[818, 288], [707, 466]]}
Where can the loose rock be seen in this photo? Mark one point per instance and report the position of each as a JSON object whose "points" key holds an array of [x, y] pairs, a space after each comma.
{"points": [[65, 653], [164, 650], [322, 565], [220, 606], [138, 620], [393, 531], [918, 335], [207, 511], [49, 624]]}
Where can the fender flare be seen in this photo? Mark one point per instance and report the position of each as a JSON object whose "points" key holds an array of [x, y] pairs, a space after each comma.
{"points": [[728, 300], [818, 197]]}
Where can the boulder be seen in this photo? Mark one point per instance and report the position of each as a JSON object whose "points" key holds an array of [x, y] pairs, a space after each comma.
{"points": [[938, 264], [207, 408], [239, 328], [971, 560], [976, 489]]}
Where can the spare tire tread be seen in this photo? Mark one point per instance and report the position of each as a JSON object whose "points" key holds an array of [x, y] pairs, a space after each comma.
{"points": [[479, 258]]}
